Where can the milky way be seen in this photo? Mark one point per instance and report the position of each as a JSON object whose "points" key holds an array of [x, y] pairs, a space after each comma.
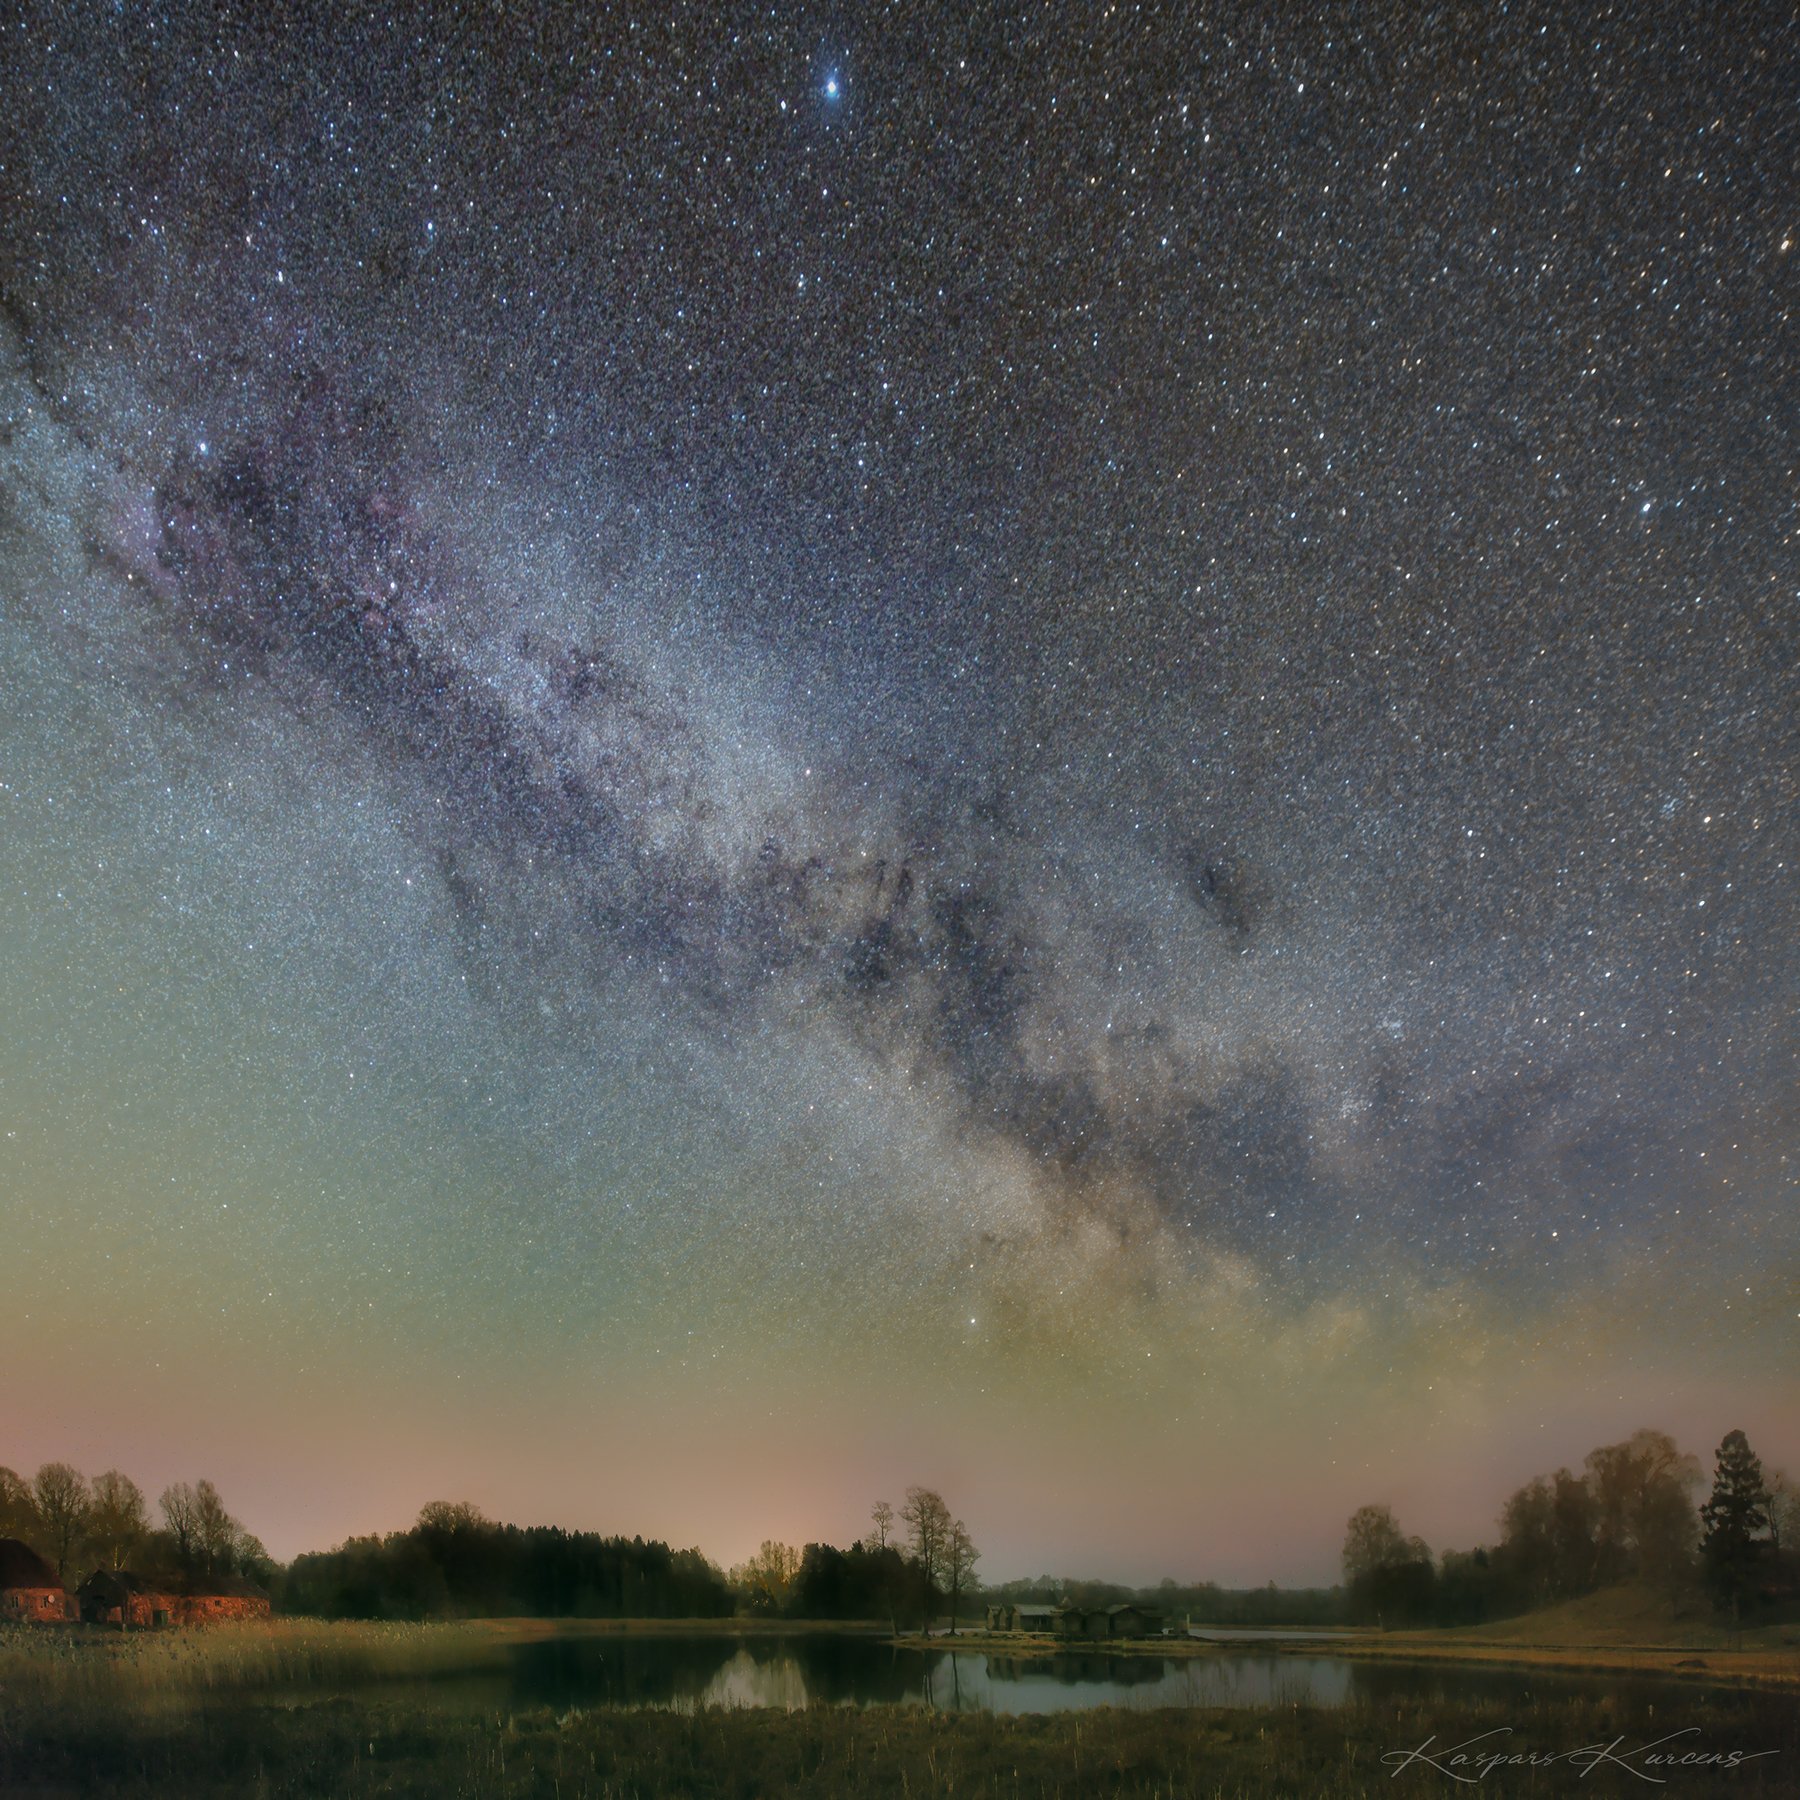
{"points": [[1035, 692]]}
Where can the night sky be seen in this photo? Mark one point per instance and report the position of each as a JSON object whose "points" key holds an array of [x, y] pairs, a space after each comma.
{"points": [[748, 754]]}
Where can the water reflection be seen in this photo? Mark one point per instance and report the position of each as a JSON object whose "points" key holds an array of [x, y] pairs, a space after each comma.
{"points": [[822, 1668]]}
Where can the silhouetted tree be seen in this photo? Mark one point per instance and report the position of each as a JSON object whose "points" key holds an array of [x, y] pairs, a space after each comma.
{"points": [[61, 1495], [18, 1510], [1372, 1540], [252, 1559], [1735, 1519], [1546, 1549], [450, 1515], [1469, 1589], [118, 1521], [960, 1558], [1390, 1576], [1784, 1510], [181, 1514], [1643, 1513], [765, 1579], [882, 1517], [927, 1522], [864, 1582], [215, 1530]]}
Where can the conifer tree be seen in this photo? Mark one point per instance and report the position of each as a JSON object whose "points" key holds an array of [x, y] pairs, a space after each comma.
{"points": [[1735, 1519]]}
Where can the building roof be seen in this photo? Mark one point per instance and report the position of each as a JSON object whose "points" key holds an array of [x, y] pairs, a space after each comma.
{"points": [[126, 1581], [235, 1587], [22, 1567]]}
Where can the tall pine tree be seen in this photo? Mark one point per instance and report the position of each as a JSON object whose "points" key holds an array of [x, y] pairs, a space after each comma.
{"points": [[1735, 1519]]}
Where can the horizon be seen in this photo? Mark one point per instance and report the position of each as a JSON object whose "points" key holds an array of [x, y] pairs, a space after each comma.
{"points": [[744, 760], [1231, 1568]]}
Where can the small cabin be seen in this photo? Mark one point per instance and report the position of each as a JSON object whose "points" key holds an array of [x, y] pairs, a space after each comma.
{"points": [[1132, 1621], [1088, 1623], [1095, 1624], [1028, 1617], [31, 1592], [120, 1597]]}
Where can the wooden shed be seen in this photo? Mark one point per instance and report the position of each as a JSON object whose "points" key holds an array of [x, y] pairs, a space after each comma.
{"points": [[1084, 1622], [120, 1597], [1095, 1624], [31, 1592], [1129, 1620]]}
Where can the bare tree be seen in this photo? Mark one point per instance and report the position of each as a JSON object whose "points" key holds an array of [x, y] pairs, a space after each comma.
{"points": [[215, 1531], [62, 1500], [960, 1558], [119, 1520], [1784, 1508], [181, 1513], [882, 1516], [927, 1522]]}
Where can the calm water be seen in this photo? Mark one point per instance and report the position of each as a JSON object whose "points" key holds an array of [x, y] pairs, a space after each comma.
{"points": [[687, 1672]]}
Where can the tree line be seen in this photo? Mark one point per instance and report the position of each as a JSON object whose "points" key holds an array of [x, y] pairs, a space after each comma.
{"points": [[1630, 1514], [78, 1525], [456, 1563], [910, 1574]]}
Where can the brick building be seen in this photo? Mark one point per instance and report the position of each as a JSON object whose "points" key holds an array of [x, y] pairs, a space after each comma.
{"points": [[119, 1597], [209, 1599], [30, 1590]]}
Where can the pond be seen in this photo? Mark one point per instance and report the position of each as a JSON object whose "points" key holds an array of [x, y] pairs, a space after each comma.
{"points": [[686, 1672]]}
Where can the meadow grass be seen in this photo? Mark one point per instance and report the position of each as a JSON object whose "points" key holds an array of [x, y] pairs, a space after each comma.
{"points": [[345, 1748]]}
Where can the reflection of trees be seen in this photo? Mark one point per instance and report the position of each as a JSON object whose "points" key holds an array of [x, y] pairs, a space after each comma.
{"points": [[1072, 1668], [854, 1670], [617, 1671], [655, 1671]]}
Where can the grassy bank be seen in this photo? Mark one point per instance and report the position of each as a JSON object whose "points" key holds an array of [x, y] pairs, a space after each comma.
{"points": [[1625, 1630]]}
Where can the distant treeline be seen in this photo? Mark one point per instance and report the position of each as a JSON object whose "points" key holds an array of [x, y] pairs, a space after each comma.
{"points": [[1204, 1602], [1630, 1515], [78, 1524], [455, 1563], [864, 1582]]}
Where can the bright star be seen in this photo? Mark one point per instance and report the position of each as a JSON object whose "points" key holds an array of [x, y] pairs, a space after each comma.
{"points": [[831, 87]]}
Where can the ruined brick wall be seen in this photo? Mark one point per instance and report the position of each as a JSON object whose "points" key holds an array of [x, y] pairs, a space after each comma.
{"points": [[211, 1609]]}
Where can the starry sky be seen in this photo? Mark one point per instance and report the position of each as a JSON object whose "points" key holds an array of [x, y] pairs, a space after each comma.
{"points": [[752, 753]]}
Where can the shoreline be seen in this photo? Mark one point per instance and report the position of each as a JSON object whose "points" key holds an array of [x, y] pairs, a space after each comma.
{"points": [[1765, 1667]]}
